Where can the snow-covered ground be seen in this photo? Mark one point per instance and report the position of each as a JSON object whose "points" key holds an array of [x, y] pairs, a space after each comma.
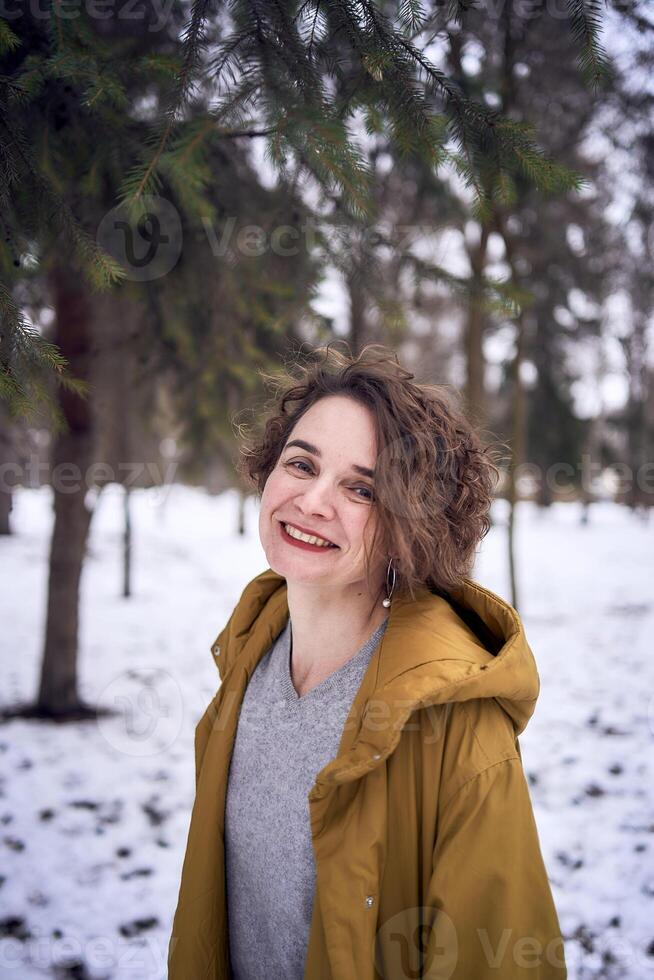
{"points": [[94, 816]]}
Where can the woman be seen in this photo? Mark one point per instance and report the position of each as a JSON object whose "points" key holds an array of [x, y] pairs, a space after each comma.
{"points": [[361, 807]]}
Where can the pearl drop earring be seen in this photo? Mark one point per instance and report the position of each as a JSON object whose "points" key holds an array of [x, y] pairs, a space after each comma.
{"points": [[390, 584]]}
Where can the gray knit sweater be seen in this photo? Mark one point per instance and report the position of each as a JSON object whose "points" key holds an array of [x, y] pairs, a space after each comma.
{"points": [[282, 742]]}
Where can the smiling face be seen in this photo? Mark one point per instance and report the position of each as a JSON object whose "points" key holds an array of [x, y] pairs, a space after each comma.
{"points": [[322, 488]]}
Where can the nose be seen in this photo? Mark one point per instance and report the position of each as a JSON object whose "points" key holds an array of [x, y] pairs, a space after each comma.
{"points": [[316, 500]]}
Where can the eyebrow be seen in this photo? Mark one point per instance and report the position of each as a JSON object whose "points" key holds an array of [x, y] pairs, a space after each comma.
{"points": [[363, 470]]}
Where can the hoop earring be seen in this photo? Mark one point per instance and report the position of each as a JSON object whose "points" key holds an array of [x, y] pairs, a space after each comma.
{"points": [[390, 584]]}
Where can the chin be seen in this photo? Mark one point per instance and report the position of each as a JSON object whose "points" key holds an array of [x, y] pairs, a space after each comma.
{"points": [[293, 570]]}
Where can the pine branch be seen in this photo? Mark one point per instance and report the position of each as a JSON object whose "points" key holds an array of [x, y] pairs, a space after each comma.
{"points": [[193, 40], [100, 268], [411, 15], [457, 10], [8, 40], [586, 26], [26, 357]]}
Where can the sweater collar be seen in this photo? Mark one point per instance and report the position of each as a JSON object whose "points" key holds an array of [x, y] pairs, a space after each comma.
{"points": [[470, 644]]}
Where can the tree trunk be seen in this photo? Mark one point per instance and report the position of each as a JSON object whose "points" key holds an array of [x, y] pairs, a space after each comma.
{"points": [[519, 418], [72, 455], [7, 463], [519, 428], [127, 545], [357, 297], [241, 512], [5, 510], [475, 394], [545, 496], [517, 453], [635, 348]]}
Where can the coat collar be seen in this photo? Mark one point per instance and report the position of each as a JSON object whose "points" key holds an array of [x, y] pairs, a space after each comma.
{"points": [[470, 644]]}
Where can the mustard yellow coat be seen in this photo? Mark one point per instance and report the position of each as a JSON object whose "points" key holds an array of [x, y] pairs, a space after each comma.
{"points": [[428, 862]]}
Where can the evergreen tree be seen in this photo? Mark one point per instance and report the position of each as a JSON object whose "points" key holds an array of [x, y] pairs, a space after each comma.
{"points": [[293, 74], [498, 60], [240, 298], [97, 111], [77, 94], [626, 128], [90, 92]]}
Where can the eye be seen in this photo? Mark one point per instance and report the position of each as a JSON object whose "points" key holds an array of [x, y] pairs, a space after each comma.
{"points": [[367, 494], [296, 463]]}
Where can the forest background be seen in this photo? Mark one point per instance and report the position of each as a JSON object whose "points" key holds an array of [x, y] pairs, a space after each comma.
{"points": [[191, 193]]}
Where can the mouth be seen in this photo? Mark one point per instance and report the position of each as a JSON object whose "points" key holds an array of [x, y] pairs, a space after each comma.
{"points": [[303, 538]]}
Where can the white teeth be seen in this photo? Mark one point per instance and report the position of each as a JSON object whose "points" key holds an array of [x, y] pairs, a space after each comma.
{"points": [[309, 538]]}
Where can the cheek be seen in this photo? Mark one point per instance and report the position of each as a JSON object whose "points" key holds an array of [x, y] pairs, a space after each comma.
{"points": [[273, 492], [362, 529]]}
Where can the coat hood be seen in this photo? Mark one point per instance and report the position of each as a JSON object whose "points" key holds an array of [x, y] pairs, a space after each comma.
{"points": [[467, 645]]}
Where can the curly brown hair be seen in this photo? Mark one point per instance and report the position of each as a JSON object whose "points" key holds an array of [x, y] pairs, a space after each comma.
{"points": [[434, 479]]}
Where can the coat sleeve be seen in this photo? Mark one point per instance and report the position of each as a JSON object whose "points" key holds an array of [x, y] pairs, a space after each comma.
{"points": [[489, 909]]}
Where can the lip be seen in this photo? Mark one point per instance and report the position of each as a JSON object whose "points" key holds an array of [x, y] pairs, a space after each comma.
{"points": [[307, 530]]}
